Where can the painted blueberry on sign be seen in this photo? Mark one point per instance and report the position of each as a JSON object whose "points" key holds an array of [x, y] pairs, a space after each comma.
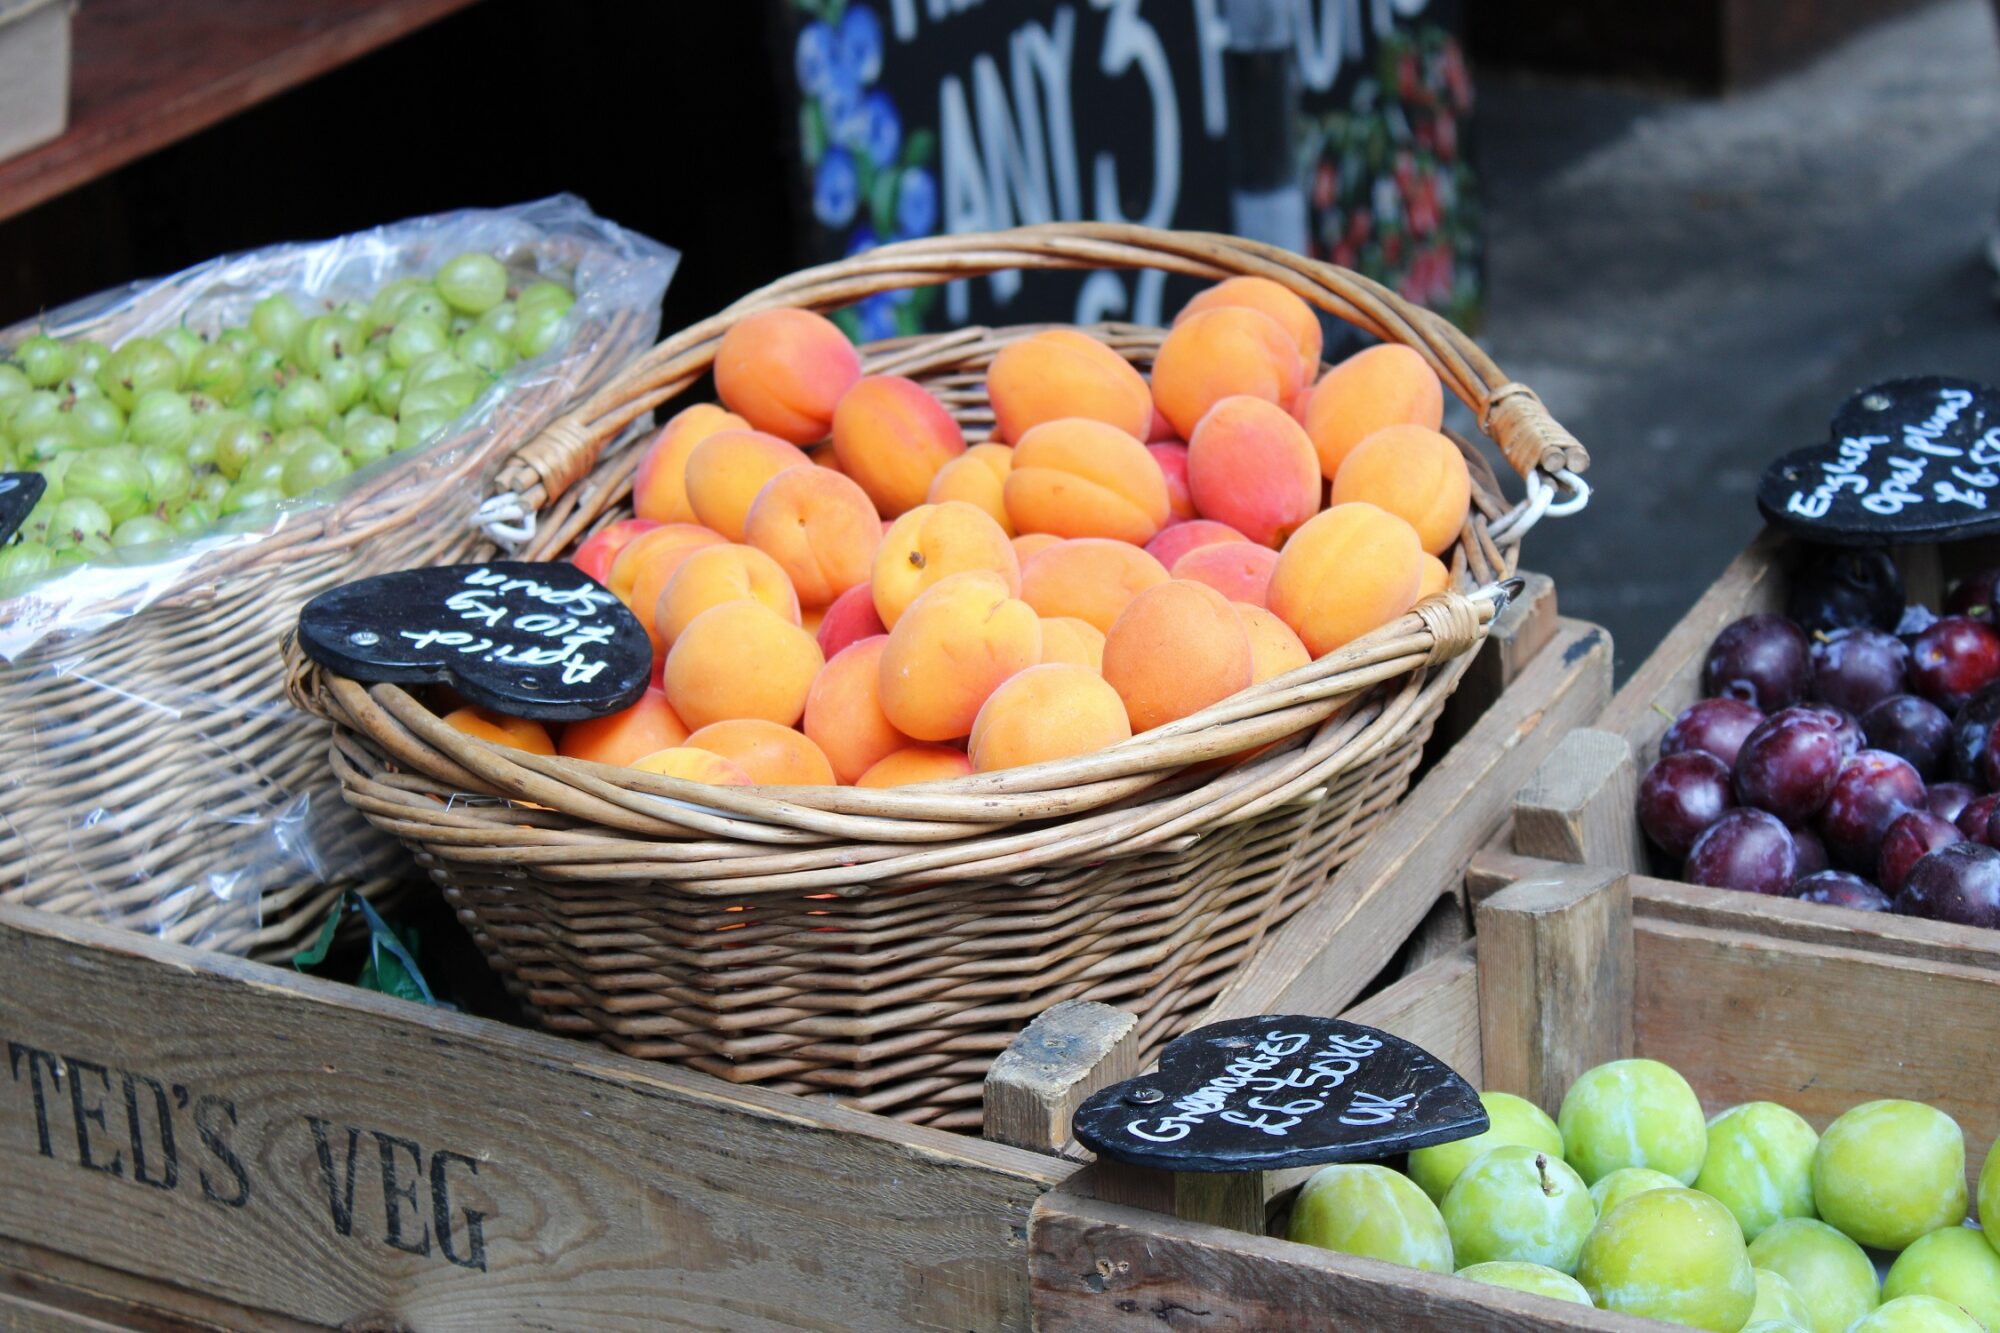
{"points": [[1259, 1094], [19, 491], [1915, 460], [544, 641]]}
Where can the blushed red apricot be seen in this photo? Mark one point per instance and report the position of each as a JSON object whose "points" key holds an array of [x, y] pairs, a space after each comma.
{"points": [[1290, 311], [1389, 385], [851, 618], [1223, 353], [727, 470], [1251, 466], [659, 487], [770, 754], [784, 371], [595, 554], [844, 713], [821, 529], [1172, 459], [1091, 578], [892, 437], [1065, 373], [639, 560], [1240, 571], [1177, 541]]}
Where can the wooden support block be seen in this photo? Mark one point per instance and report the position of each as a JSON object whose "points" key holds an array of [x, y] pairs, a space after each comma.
{"points": [[1442, 933], [1232, 1199], [1555, 980], [1922, 568], [1070, 1051], [1517, 634], [1580, 805]]}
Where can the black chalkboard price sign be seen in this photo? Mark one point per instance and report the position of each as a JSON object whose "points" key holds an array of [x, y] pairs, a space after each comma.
{"points": [[1912, 460], [543, 641], [1262, 1094], [19, 493]]}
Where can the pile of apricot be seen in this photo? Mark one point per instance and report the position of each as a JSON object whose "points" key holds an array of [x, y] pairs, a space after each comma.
{"points": [[840, 589]]}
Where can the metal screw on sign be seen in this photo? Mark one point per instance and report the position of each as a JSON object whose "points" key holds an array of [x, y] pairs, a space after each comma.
{"points": [[364, 638], [1145, 1096], [1876, 402]]}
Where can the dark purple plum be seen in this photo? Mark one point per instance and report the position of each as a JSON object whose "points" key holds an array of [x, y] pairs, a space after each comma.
{"points": [[1838, 888], [1977, 815], [1855, 669], [1763, 659], [1842, 587], [1914, 728], [1970, 727], [1853, 739], [1712, 726], [1911, 837], [1811, 851], [1954, 660], [1680, 796], [1989, 760], [1745, 849], [1947, 799], [1975, 596], [1959, 883], [1916, 619], [1788, 766], [1872, 789]]}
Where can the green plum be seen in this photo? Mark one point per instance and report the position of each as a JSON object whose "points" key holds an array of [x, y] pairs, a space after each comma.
{"points": [[1989, 1196], [1371, 1211], [1672, 1254], [368, 439], [1834, 1274], [250, 504], [420, 428], [1889, 1171], [1759, 1164], [486, 350], [1535, 1279], [326, 339], [1620, 1185], [236, 444], [501, 320], [1510, 1119], [386, 391], [1521, 1203], [344, 383], [1633, 1113], [1917, 1314], [1778, 1299], [266, 470], [1954, 1263]]}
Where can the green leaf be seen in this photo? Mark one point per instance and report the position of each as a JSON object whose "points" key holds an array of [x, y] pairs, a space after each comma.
{"points": [[315, 953], [919, 147], [386, 972], [882, 203], [812, 132]]}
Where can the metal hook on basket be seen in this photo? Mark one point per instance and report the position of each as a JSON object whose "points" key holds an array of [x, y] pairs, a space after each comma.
{"points": [[1542, 500], [505, 521]]}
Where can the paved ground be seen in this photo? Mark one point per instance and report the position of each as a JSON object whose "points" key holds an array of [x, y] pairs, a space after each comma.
{"points": [[1693, 284]]}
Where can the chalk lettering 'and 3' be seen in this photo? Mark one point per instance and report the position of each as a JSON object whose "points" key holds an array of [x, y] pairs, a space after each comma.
{"points": [[563, 621], [1903, 484], [1268, 1107]]}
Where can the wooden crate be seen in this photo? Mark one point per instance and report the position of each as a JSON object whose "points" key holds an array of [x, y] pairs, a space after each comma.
{"points": [[341, 1158], [1743, 1014]]}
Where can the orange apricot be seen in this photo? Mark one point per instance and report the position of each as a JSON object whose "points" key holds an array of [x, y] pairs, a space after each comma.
{"points": [[844, 713], [712, 575], [1175, 650], [668, 542], [727, 470], [1436, 578], [1080, 478], [892, 436], [952, 648], [1290, 311], [1221, 353], [516, 733], [1172, 458], [1031, 544], [820, 528], [659, 487], [978, 477], [1274, 649], [627, 735], [1065, 373], [1240, 571], [1251, 466], [1349, 570], [600, 548], [692, 765], [772, 755], [1415, 473], [784, 371], [1177, 541], [930, 544], [740, 659], [1389, 385], [852, 617], [1067, 639], [811, 618], [917, 763], [1047, 712], [1091, 578]]}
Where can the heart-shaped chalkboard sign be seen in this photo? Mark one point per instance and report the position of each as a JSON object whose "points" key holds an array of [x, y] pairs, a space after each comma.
{"points": [[1260, 1094], [1914, 460], [543, 641], [19, 493]]}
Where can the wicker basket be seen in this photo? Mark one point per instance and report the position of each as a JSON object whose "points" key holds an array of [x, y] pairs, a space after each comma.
{"points": [[151, 774], [883, 946]]}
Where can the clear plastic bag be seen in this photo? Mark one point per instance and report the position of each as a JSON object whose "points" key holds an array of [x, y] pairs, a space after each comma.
{"points": [[152, 772]]}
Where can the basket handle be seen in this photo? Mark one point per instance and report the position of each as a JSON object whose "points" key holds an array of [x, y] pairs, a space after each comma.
{"points": [[544, 472]]}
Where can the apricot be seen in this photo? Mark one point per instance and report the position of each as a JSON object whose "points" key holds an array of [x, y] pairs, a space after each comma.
{"points": [[772, 756], [1047, 712], [844, 713], [692, 765], [595, 554], [892, 436], [784, 371], [1067, 639], [1091, 578], [1160, 430], [957, 642], [1436, 577], [1274, 649], [516, 733], [1065, 373], [1080, 478], [1349, 570], [1175, 650], [852, 617], [917, 763], [1172, 458], [1389, 385], [712, 575], [1240, 571], [930, 544], [1415, 473], [669, 542], [1291, 312], [1251, 466], [811, 618], [978, 477], [627, 735], [1221, 353], [1177, 541], [821, 529], [727, 470], [1031, 544], [659, 487], [740, 659]]}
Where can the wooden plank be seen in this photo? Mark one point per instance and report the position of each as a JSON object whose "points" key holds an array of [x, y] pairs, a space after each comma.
{"points": [[1579, 807], [1099, 1266], [344, 1158], [1517, 635], [1437, 1008], [1442, 932], [40, 1288], [1235, 1200], [1555, 980], [1034, 1086], [1315, 965]]}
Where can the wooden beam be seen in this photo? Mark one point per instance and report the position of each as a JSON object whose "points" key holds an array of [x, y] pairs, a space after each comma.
{"points": [[1070, 1051], [1580, 806], [1516, 635], [1231, 1199]]}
